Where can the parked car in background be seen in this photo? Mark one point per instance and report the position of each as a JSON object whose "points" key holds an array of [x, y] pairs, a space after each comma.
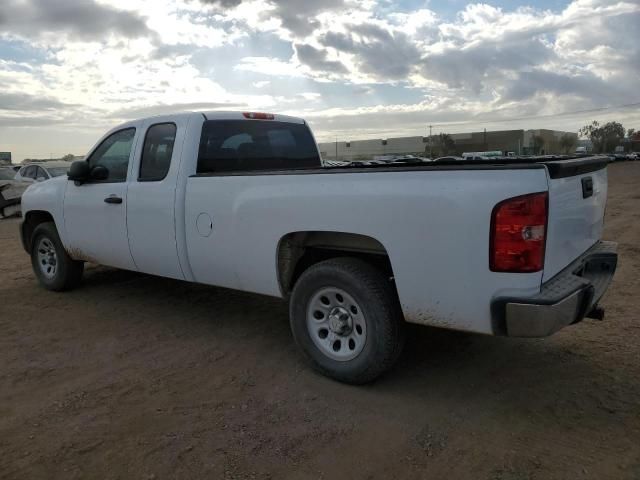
{"points": [[450, 158], [7, 173], [633, 156], [11, 191], [39, 172], [482, 155]]}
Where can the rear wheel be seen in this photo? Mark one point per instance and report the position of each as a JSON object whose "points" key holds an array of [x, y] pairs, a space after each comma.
{"points": [[346, 319], [53, 267]]}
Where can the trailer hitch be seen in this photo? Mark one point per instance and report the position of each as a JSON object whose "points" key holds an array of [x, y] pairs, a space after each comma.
{"points": [[597, 313]]}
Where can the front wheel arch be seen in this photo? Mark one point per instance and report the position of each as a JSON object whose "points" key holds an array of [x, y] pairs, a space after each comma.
{"points": [[31, 221], [47, 250]]}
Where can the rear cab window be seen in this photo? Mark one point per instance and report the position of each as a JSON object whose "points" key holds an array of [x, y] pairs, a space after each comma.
{"points": [[254, 145], [157, 152]]}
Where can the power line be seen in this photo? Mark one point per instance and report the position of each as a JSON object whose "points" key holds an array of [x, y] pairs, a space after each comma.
{"points": [[525, 118], [528, 117]]}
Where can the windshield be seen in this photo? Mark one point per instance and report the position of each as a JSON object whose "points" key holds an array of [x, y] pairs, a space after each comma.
{"points": [[57, 171], [7, 174]]}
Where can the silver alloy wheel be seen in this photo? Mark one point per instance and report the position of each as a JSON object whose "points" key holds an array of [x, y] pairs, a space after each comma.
{"points": [[47, 258], [336, 324]]}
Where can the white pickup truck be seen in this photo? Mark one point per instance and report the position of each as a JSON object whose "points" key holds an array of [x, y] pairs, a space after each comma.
{"points": [[503, 246]]}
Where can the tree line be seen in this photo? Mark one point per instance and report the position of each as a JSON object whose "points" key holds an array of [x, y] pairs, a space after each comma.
{"points": [[605, 138]]}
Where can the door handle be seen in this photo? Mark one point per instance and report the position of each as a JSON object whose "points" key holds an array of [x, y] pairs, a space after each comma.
{"points": [[587, 187], [113, 199]]}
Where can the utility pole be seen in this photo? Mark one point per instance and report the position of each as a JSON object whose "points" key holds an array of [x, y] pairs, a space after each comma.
{"points": [[486, 147], [336, 147], [430, 143]]}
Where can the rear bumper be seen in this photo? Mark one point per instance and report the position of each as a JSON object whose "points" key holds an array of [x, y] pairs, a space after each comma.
{"points": [[565, 299]]}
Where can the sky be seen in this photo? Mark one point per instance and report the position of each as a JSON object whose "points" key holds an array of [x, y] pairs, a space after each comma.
{"points": [[72, 69]]}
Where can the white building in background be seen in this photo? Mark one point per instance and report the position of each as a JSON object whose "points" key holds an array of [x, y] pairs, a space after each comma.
{"points": [[517, 141]]}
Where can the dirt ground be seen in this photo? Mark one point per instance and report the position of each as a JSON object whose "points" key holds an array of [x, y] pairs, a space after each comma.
{"points": [[132, 376]]}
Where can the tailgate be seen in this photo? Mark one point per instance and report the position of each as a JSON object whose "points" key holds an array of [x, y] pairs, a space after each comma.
{"points": [[577, 201]]}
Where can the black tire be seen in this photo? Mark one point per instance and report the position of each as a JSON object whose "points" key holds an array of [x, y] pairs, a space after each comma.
{"points": [[67, 273], [376, 296]]}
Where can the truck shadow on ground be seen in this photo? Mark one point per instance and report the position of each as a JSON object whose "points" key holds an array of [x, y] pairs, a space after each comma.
{"points": [[437, 364]]}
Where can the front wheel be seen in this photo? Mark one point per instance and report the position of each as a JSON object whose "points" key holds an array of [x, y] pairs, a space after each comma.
{"points": [[53, 267], [346, 319]]}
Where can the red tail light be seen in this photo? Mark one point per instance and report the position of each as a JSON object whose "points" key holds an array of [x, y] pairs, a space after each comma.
{"points": [[519, 234], [258, 115]]}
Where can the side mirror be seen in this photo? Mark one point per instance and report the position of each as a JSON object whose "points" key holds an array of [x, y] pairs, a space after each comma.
{"points": [[79, 171], [99, 172], [40, 179]]}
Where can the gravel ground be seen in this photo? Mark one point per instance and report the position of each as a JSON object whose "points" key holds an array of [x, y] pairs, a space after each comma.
{"points": [[132, 376]]}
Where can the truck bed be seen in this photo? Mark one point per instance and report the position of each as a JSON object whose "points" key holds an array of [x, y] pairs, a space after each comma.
{"points": [[558, 165]]}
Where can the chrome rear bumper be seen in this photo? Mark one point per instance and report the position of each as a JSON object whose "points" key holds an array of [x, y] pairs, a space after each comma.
{"points": [[565, 299]]}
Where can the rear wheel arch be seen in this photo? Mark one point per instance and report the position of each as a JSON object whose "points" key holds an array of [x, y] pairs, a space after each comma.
{"points": [[297, 251]]}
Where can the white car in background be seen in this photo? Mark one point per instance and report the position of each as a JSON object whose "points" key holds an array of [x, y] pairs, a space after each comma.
{"points": [[39, 172]]}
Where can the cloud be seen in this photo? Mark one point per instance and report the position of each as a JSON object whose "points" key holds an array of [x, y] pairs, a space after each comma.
{"points": [[269, 66], [296, 16], [377, 51], [25, 102], [317, 60], [81, 19], [153, 110], [586, 86], [223, 3], [471, 66], [21, 121], [352, 67]]}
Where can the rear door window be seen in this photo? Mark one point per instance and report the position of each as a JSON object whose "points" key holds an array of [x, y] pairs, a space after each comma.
{"points": [[157, 152], [249, 145]]}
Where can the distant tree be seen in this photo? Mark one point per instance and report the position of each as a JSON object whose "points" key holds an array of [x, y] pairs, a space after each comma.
{"points": [[537, 144], [631, 132], [567, 142], [605, 138], [68, 157], [445, 144]]}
